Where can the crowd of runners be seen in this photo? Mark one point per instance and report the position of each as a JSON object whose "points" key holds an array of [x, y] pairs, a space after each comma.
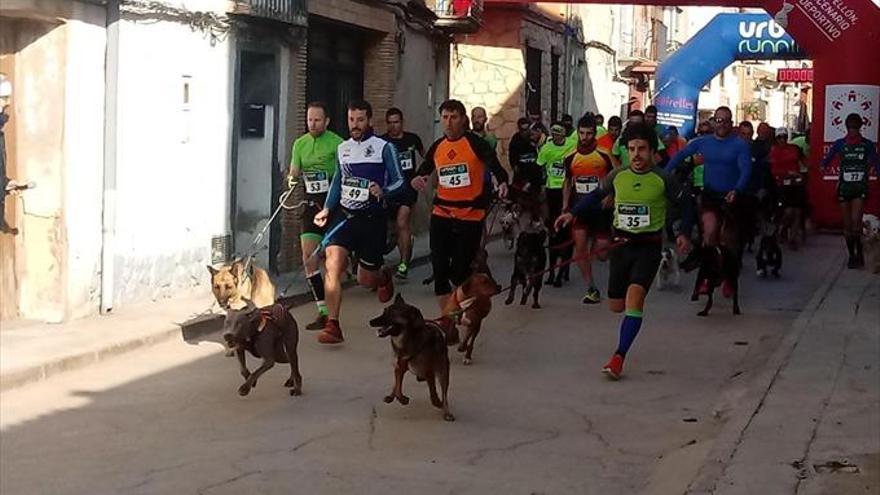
{"points": [[616, 190]]}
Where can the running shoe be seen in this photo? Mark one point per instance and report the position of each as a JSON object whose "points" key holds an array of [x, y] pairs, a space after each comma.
{"points": [[319, 324], [614, 367], [592, 296], [332, 333]]}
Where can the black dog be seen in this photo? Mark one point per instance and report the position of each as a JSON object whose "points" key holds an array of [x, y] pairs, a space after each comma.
{"points": [[419, 346], [270, 333], [769, 256], [718, 266], [529, 261]]}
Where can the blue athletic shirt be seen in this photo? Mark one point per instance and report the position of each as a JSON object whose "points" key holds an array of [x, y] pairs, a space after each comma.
{"points": [[728, 162], [371, 159]]}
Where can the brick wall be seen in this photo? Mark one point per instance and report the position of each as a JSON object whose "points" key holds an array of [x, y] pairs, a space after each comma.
{"points": [[380, 74], [289, 256]]}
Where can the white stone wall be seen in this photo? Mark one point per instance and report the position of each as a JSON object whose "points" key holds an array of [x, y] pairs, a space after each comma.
{"points": [[172, 158]]}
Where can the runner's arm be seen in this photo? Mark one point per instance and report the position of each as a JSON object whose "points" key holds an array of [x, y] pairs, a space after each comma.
{"points": [[835, 149], [393, 176], [427, 166], [593, 201], [691, 148], [744, 164], [566, 183], [488, 156], [295, 160], [873, 157], [334, 194]]}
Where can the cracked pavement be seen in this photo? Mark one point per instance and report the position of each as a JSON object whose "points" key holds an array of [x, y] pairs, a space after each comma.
{"points": [[534, 414]]}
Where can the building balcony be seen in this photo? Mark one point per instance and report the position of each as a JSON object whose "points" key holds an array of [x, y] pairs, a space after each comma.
{"points": [[457, 16], [292, 12]]}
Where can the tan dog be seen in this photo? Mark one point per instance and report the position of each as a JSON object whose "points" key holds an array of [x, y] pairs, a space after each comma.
{"points": [[470, 304], [233, 287]]}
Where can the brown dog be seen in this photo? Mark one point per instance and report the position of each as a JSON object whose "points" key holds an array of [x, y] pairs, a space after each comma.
{"points": [[233, 286], [469, 305], [419, 346]]}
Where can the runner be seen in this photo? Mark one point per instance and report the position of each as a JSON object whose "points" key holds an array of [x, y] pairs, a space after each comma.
{"points": [[600, 124], [571, 135], [605, 142], [368, 171], [651, 120], [460, 159], [407, 145], [786, 161], [313, 164], [480, 120], [728, 164], [551, 157], [619, 149], [757, 191], [584, 170], [642, 196], [523, 155], [854, 156]]}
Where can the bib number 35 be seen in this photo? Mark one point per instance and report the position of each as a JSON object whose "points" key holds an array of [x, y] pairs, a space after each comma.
{"points": [[633, 217]]}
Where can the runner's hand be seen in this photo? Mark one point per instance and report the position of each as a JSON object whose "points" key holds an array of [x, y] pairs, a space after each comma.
{"points": [[375, 190], [322, 217], [683, 244], [731, 197], [502, 190], [607, 202], [419, 182], [562, 221], [291, 181]]}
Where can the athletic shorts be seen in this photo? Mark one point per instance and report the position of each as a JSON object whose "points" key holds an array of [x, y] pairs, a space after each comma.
{"points": [[407, 196], [307, 227], [793, 196], [595, 223], [363, 235], [849, 191], [635, 262]]}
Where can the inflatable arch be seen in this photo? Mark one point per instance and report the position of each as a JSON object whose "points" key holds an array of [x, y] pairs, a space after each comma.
{"points": [[842, 38], [726, 38]]}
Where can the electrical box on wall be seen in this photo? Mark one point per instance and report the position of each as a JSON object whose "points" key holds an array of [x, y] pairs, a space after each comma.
{"points": [[253, 120], [221, 248]]}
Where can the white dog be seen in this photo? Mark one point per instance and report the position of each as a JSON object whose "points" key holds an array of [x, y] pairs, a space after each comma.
{"points": [[669, 274]]}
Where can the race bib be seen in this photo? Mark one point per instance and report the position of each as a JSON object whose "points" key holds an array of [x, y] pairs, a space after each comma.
{"points": [[633, 217], [406, 160], [356, 189], [316, 182], [557, 170], [853, 176], [454, 176], [586, 184]]}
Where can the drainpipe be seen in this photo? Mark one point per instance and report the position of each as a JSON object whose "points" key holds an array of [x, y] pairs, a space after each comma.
{"points": [[108, 213]]}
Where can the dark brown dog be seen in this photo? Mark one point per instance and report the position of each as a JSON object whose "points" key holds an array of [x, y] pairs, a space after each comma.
{"points": [[419, 346], [468, 305], [269, 333], [717, 266]]}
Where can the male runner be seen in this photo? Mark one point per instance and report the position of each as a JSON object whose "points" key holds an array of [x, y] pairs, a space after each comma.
{"points": [[408, 145], [584, 171], [855, 155], [460, 159], [551, 157], [786, 160], [313, 164], [642, 195], [606, 141], [368, 171], [480, 120], [620, 151], [727, 169]]}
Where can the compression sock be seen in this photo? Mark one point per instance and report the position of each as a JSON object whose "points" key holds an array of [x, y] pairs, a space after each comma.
{"points": [[316, 283], [629, 328], [851, 246]]}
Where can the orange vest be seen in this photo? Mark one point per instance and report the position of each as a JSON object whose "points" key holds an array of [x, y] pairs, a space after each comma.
{"points": [[461, 181]]}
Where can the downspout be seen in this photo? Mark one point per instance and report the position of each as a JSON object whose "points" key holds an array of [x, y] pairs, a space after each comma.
{"points": [[108, 213]]}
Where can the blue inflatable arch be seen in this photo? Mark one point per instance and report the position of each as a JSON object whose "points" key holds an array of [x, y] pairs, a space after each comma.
{"points": [[727, 38]]}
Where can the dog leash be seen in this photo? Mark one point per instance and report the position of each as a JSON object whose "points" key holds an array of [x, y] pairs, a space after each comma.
{"points": [[321, 247]]}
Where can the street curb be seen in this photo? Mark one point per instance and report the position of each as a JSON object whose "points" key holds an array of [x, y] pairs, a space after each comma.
{"points": [[727, 442], [189, 330]]}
